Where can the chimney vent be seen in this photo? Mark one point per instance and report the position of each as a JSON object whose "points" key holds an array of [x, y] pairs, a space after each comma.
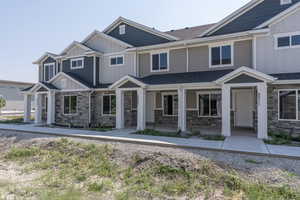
{"points": [[285, 2]]}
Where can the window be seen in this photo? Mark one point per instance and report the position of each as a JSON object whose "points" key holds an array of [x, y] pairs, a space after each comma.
{"points": [[109, 105], [160, 62], [287, 41], [170, 103], [289, 102], [209, 104], [221, 55], [70, 105], [77, 63], [122, 29], [116, 60], [49, 71]]}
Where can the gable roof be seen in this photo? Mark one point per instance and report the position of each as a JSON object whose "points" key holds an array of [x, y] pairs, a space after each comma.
{"points": [[46, 55], [139, 26], [103, 35], [75, 43], [249, 17], [189, 32]]}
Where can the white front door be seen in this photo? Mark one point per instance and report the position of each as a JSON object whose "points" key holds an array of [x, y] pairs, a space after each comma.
{"points": [[244, 104], [150, 101]]}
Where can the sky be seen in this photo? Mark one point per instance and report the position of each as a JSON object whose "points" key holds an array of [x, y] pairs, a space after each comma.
{"points": [[29, 28]]}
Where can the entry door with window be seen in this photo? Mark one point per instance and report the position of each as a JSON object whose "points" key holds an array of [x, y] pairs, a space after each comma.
{"points": [[244, 104]]}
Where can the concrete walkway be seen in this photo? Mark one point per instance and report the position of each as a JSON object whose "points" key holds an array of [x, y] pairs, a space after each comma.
{"points": [[238, 144]]}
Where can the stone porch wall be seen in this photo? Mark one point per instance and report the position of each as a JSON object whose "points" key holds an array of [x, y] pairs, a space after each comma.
{"points": [[81, 118], [275, 125]]}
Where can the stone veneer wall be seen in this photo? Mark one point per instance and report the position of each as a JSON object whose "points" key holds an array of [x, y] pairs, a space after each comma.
{"points": [[194, 121], [275, 125], [97, 119], [169, 121], [81, 118]]}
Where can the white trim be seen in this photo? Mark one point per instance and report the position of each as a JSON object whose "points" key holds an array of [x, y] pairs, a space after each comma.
{"points": [[207, 93], [116, 57], [110, 107], [74, 44], [120, 20], [231, 17], [187, 59], [276, 18], [173, 103], [124, 80], [288, 34], [94, 70], [44, 57], [254, 51], [297, 104], [77, 59], [220, 45], [105, 36], [63, 106], [158, 53], [67, 76], [122, 29], [53, 65]]}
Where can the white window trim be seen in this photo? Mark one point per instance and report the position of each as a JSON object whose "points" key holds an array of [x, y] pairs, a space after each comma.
{"points": [[207, 93], [297, 104], [76, 59], [160, 52], [122, 27], [163, 105], [102, 104], [231, 44], [116, 56], [49, 65], [70, 114], [290, 34]]}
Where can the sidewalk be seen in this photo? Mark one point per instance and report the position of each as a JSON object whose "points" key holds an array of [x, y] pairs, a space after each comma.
{"points": [[237, 144]]}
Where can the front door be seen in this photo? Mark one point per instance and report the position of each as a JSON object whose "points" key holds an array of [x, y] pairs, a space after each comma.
{"points": [[244, 104], [150, 107]]}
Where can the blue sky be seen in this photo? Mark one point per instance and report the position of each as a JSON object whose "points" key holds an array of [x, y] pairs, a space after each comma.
{"points": [[29, 28]]}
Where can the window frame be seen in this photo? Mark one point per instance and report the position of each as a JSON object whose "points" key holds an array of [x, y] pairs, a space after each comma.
{"points": [[122, 29], [290, 35], [102, 105], [163, 105], [297, 104], [231, 44], [53, 64], [198, 105], [158, 53], [70, 105], [77, 59], [116, 57]]}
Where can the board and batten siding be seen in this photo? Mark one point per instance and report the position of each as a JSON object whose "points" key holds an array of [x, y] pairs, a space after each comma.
{"points": [[198, 59], [270, 60]]}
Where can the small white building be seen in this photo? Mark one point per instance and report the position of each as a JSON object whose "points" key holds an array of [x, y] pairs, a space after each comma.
{"points": [[11, 91]]}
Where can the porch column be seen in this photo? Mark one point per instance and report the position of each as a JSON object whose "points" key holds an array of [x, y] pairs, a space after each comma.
{"points": [[51, 108], [27, 107], [38, 108], [226, 125], [119, 109], [141, 112], [262, 111], [182, 109]]}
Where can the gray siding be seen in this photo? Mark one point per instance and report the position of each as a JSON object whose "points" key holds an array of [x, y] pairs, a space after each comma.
{"points": [[137, 37], [103, 45], [198, 59], [270, 60], [85, 74]]}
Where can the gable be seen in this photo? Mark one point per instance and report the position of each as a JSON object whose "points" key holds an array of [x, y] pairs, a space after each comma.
{"points": [[75, 51], [243, 78], [42, 89], [129, 84], [287, 24], [137, 37], [254, 17], [103, 45], [65, 83]]}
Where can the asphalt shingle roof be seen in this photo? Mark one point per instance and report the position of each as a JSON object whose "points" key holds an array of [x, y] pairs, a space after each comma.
{"points": [[189, 32]]}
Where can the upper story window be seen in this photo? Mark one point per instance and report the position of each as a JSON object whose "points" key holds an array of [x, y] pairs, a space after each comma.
{"points": [[122, 29], [77, 63], [221, 55], [116, 60], [159, 61], [49, 69], [289, 40]]}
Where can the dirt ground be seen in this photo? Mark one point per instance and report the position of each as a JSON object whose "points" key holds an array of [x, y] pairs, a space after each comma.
{"points": [[271, 170]]}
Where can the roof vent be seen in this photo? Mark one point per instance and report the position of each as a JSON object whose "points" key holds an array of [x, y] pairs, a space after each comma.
{"points": [[285, 2]]}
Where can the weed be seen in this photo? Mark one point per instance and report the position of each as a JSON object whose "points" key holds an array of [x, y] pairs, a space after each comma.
{"points": [[253, 161], [160, 133], [18, 153]]}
